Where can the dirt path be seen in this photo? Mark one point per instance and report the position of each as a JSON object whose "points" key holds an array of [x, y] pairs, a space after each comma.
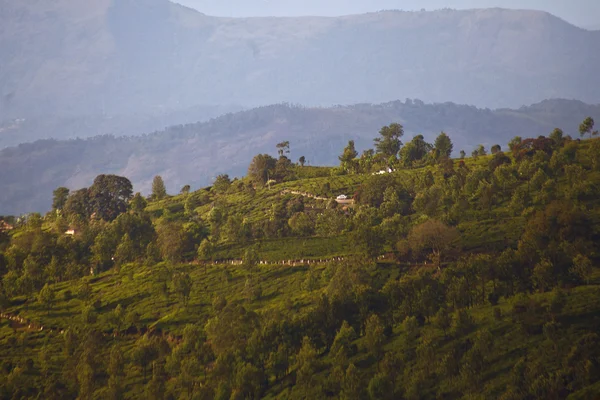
{"points": [[312, 196]]}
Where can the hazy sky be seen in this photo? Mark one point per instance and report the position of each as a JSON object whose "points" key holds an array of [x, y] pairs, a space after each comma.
{"points": [[584, 13]]}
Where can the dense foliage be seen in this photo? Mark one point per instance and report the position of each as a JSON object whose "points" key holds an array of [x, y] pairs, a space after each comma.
{"points": [[444, 278]]}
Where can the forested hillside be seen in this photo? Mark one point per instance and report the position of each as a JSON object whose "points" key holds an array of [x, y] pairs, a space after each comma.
{"points": [[196, 153], [468, 277]]}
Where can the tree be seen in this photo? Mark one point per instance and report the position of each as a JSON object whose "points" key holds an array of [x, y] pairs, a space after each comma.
{"points": [[125, 252], [442, 320], [582, 268], [352, 388], [171, 240], [45, 360], [85, 378], [221, 183], [481, 150], [144, 352], [110, 195], [302, 160], [206, 251], [587, 127], [60, 196], [283, 148], [103, 249], [434, 236], [46, 297], [182, 284], [443, 145], [342, 348], [261, 167], [186, 189], [348, 157], [250, 258], [138, 203], [557, 137], [496, 149], [155, 390], [389, 143], [79, 204], [116, 373], [283, 167], [462, 154], [301, 224], [159, 191], [307, 364], [117, 317], [381, 387], [462, 323], [415, 150], [514, 143], [374, 336]]}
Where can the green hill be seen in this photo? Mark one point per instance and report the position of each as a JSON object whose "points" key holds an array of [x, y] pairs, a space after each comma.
{"points": [[446, 278], [195, 153]]}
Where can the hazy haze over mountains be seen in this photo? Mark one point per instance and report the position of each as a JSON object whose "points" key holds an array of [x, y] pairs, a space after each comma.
{"points": [[123, 57], [583, 13]]}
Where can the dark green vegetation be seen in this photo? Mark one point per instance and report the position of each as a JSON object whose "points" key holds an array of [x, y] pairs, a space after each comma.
{"points": [[195, 153], [447, 278]]}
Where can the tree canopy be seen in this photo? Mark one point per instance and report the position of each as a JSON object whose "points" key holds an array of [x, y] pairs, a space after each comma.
{"points": [[389, 143]]}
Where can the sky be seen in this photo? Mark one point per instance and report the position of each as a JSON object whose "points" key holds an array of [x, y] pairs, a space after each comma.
{"points": [[584, 13]]}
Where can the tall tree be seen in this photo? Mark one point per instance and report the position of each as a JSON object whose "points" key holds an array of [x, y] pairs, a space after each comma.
{"points": [[261, 168], [374, 336], [79, 203], [171, 240], [144, 352], [46, 297], [415, 150], [206, 252], [557, 136], [103, 249], [283, 148], [443, 145], [138, 203], [389, 143], [59, 199], [587, 127], [347, 158], [159, 191], [109, 195], [302, 160], [125, 252], [182, 283]]}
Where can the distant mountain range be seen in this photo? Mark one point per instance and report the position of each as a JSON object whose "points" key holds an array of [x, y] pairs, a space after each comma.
{"points": [[195, 153], [73, 58], [21, 130]]}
